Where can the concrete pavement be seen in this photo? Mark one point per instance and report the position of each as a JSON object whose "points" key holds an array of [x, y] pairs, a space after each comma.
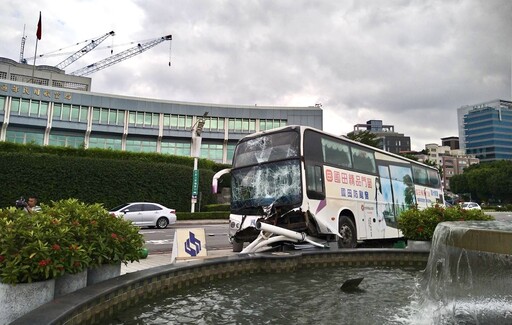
{"points": [[159, 259], [154, 260]]}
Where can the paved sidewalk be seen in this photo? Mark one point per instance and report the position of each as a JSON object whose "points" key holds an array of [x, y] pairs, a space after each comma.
{"points": [[154, 260]]}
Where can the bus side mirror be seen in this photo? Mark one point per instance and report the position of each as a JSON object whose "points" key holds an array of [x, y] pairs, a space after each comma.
{"points": [[215, 180]]}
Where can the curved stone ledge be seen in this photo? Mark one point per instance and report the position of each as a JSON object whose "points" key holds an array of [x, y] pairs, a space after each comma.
{"points": [[483, 236], [95, 303]]}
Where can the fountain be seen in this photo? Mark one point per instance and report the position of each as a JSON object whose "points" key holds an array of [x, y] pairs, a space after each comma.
{"points": [[468, 276], [466, 280]]}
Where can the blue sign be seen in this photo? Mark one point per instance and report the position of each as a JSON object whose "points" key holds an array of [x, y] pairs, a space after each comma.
{"points": [[192, 244]]}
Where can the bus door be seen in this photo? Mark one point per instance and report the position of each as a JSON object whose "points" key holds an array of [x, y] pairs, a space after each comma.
{"points": [[384, 201]]}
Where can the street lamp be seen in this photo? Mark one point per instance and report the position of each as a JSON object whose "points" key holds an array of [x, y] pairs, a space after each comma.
{"points": [[197, 129]]}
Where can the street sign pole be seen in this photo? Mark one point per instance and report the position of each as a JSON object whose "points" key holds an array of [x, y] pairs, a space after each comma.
{"points": [[197, 129]]}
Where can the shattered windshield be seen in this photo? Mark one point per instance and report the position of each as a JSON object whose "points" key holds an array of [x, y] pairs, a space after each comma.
{"points": [[269, 147], [258, 186]]}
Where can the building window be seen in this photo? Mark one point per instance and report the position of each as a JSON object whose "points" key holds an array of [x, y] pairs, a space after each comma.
{"points": [[172, 121], [66, 140], [143, 119], [213, 124], [65, 112], [271, 124], [25, 137], [141, 145], [230, 152], [105, 143], [24, 107], [175, 148], [212, 151], [107, 116], [75, 113], [15, 106], [2, 103], [242, 125]]}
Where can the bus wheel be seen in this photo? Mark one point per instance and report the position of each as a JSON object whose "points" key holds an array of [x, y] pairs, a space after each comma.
{"points": [[348, 231], [237, 246]]}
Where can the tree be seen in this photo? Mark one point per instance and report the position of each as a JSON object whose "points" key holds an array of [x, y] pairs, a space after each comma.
{"points": [[486, 181], [365, 137]]}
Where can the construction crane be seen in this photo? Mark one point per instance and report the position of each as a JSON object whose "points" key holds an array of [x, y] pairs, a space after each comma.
{"points": [[83, 51], [141, 47]]}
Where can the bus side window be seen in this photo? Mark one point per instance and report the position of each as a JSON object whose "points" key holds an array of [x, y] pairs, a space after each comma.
{"points": [[314, 182]]}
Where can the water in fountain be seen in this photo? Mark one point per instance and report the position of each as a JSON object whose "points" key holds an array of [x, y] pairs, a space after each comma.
{"points": [[468, 277], [467, 280]]}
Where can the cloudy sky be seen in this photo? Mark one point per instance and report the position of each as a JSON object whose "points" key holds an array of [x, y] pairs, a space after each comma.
{"points": [[410, 63]]}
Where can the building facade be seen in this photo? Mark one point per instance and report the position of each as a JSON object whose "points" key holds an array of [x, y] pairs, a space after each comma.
{"points": [[452, 142], [48, 115], [485, 130], [451, 161], [42, 75], [455, 165], [390, 140]]}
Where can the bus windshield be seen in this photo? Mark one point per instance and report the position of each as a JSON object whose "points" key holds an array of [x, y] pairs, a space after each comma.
{"points": [[268, 147], [261, 185]]}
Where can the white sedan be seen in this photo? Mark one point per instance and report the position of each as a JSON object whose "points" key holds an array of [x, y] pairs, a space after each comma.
{"points": [[470, 206], [146, 214]]}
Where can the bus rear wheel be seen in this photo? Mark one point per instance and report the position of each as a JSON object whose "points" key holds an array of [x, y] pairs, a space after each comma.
{"points": [[347, 230]]}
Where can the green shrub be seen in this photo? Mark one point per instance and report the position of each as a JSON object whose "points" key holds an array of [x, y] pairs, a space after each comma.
{"points": [[218, 215], [420, 224], [217, 207], [64, 237]]}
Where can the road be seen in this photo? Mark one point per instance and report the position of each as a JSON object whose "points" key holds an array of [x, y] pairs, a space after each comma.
{"points": [[161, 240], [501, 216]]}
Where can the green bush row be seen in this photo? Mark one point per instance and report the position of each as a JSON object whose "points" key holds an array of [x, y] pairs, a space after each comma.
{"points": [[109, 154], [218, 215], [99, 179], [418, 224], [216, 207]]}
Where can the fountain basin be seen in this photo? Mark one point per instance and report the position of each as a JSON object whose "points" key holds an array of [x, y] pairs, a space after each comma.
{"points": [[97, 303]]}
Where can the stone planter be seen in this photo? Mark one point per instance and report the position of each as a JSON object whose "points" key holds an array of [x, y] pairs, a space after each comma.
{"points": [[17, 300], [70, 282], [419, 245], [103, 272]]}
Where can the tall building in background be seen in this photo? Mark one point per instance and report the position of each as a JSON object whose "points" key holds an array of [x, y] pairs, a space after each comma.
{"points": [[390, 140], [485, 130]]}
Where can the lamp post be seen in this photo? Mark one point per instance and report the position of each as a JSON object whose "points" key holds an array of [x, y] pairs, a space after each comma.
{"points": [[197, 129]]}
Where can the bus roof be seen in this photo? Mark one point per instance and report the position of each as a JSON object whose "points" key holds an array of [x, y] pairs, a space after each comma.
{"points": [[303, 128]]}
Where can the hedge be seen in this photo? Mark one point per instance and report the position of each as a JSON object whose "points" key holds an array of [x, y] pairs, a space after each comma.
{"points": [[99, 178], [224, 215], [109, 154], [217, 207]]}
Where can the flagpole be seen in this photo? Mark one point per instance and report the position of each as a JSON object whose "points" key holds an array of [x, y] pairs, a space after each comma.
{"points": [[38, 37], [34, 65]]}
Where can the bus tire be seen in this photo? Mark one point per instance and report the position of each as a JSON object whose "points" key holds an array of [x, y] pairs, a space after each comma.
{"points": [[237, 246], [347, 229]]}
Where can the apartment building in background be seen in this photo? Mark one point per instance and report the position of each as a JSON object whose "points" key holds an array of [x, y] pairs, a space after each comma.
{"points": [[390, 140]]}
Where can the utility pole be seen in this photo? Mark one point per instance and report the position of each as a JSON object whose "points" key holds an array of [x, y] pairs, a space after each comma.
{"points": [[197, 129]]}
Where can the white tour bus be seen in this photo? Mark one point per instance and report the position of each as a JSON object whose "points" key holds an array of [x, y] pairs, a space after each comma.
{"points": [[299, 185]]}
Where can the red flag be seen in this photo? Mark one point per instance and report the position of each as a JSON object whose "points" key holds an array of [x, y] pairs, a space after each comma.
{"points": [[39, 28]]}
